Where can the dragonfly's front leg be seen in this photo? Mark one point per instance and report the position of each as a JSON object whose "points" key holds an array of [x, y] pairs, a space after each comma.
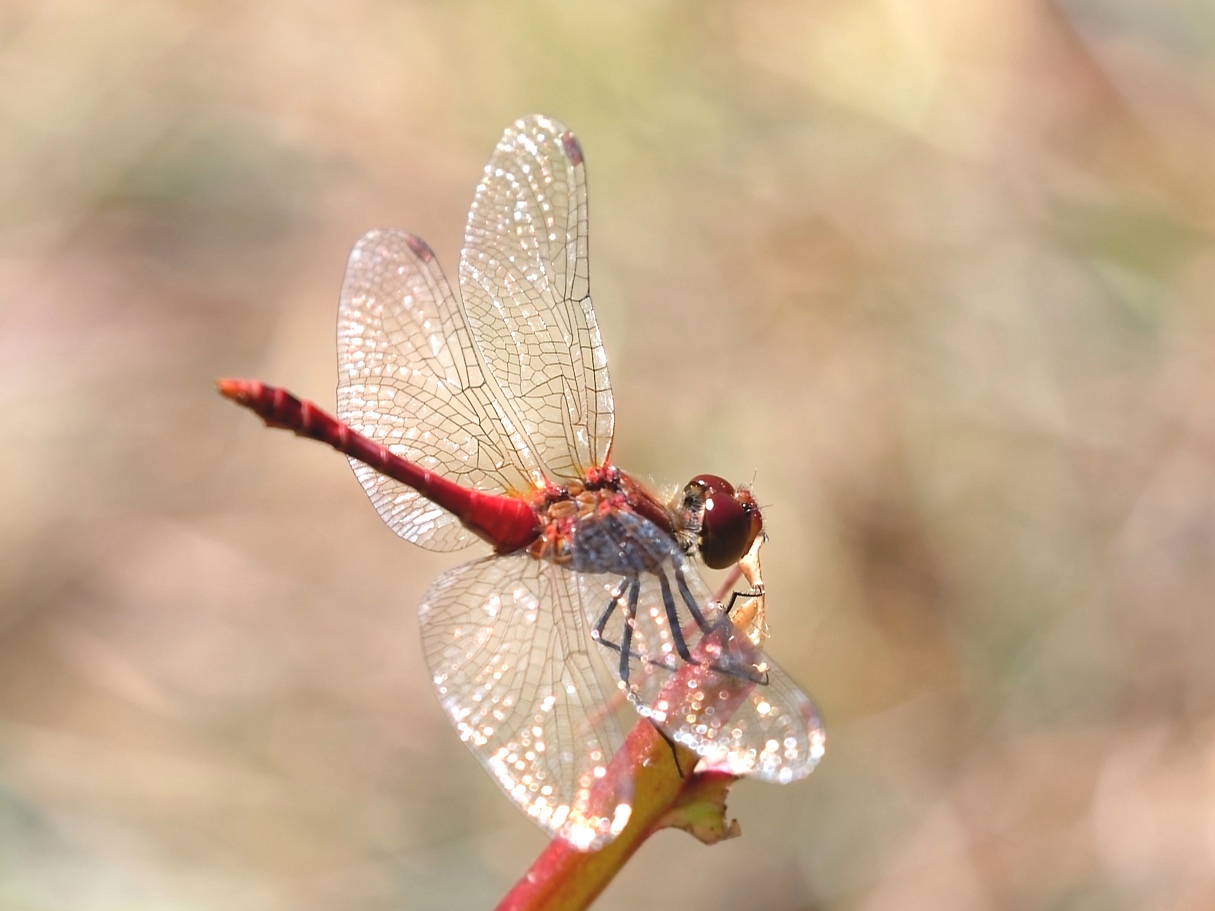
{"points": [[633, 587], [751, 615], [746, 596]]}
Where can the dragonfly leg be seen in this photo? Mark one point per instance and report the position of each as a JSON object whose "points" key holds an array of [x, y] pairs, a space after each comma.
{"points": [[754, 673], [626, 634], [633, 588], [725, 628], [668, 601], [690, 600], [735, 595], [601, 623], [670, 742]]}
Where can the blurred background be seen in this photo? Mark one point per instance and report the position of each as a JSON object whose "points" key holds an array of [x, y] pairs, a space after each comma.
{"points": [[933, 274]]}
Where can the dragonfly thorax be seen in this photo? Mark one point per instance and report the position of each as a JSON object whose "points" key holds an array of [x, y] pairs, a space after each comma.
{"points": [[598, 531]]}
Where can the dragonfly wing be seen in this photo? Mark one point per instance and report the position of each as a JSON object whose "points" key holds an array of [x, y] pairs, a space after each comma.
{"points": [[525, 279], [735, 708], [509, 656], [775, 734], [410, 380]]}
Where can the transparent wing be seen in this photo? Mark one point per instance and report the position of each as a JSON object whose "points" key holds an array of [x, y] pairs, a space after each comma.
{"points": [[410, 379], [510, 660], [686, 666], [525, 280]]}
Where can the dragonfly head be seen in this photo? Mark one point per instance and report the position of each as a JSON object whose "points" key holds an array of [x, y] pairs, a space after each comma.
{"points": [[725, 521]]}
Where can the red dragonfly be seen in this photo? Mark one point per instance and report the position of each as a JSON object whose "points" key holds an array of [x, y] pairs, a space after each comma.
{"points": [[490, 416]]}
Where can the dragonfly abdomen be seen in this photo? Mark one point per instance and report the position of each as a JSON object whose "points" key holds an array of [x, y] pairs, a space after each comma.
{"points": [[507, 522]]}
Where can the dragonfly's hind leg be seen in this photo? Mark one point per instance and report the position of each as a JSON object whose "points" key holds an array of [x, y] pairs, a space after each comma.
{"points": [[626, 633], [602, 622], [629, 591]]}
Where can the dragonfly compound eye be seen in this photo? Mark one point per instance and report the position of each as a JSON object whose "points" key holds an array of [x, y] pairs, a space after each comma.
{"points": [[728, 520]]}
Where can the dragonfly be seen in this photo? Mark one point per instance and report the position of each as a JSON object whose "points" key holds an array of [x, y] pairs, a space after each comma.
{"points": [[488, 417]]}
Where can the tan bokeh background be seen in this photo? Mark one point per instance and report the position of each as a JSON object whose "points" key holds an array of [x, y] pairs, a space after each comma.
{"points": [[936, 274]]}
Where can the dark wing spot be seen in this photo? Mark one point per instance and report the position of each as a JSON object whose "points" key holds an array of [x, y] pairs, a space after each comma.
{"points": [[572, 149], [420, 248]]}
